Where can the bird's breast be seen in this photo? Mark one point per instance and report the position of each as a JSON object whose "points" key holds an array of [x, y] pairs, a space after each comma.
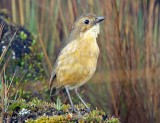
{"points": [[77, 62], [87, 53]]}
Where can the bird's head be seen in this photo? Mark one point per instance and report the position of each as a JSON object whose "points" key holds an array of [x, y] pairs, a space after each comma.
{"points": [[86, 23]]}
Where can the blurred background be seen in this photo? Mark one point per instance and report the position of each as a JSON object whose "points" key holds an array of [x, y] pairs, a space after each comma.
{"points": [[127, 81]]}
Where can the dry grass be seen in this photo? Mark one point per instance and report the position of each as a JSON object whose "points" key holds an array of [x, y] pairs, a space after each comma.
{"points": [[127, 78]]}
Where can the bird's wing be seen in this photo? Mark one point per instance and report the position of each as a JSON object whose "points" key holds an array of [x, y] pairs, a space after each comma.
{"points": [[65, 52], [53, 76]]}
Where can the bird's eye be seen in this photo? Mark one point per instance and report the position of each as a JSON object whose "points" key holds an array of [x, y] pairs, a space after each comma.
{"points": [[86, 21]]}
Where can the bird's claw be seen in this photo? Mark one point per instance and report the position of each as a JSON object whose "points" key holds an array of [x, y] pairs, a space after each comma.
{"points": [[73, 109], [88, 110]]}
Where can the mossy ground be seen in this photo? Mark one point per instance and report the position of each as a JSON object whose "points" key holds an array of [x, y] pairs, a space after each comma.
{"points": [[38, 111]]}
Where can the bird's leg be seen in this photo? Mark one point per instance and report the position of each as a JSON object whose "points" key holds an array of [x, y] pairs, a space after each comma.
{"points": [[88, 109], [69, 96]]}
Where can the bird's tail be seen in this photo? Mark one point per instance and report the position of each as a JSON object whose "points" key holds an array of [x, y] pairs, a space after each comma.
{"points": [[51, 87]]}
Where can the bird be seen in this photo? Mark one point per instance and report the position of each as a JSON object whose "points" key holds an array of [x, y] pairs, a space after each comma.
{"points": [[77, 61]]}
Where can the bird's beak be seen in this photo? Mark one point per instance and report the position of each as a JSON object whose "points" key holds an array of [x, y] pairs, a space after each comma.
{"points": [[99, 19]]}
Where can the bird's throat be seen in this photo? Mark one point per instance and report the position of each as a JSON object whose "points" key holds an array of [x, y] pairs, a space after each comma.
{"points": [[92, 33]]}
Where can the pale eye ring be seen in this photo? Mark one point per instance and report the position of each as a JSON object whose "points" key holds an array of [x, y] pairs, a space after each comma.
{"points": [[86, 21]]}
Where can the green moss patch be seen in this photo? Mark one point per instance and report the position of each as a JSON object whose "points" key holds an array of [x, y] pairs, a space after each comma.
{"points": [[38, 111]]}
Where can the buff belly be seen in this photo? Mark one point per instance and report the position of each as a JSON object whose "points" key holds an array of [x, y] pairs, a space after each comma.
{"points": [[78, 71], [77, 63]]}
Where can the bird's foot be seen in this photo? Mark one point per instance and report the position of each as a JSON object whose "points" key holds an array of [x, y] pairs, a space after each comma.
{"points": [[73, 109], [88, 110]]}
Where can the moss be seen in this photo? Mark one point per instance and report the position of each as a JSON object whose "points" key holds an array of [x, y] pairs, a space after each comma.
{"points": [[113, 120], [23, 36], [65, 107], [38, 111], [18, 104], [93, 117], [47, 119]]}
